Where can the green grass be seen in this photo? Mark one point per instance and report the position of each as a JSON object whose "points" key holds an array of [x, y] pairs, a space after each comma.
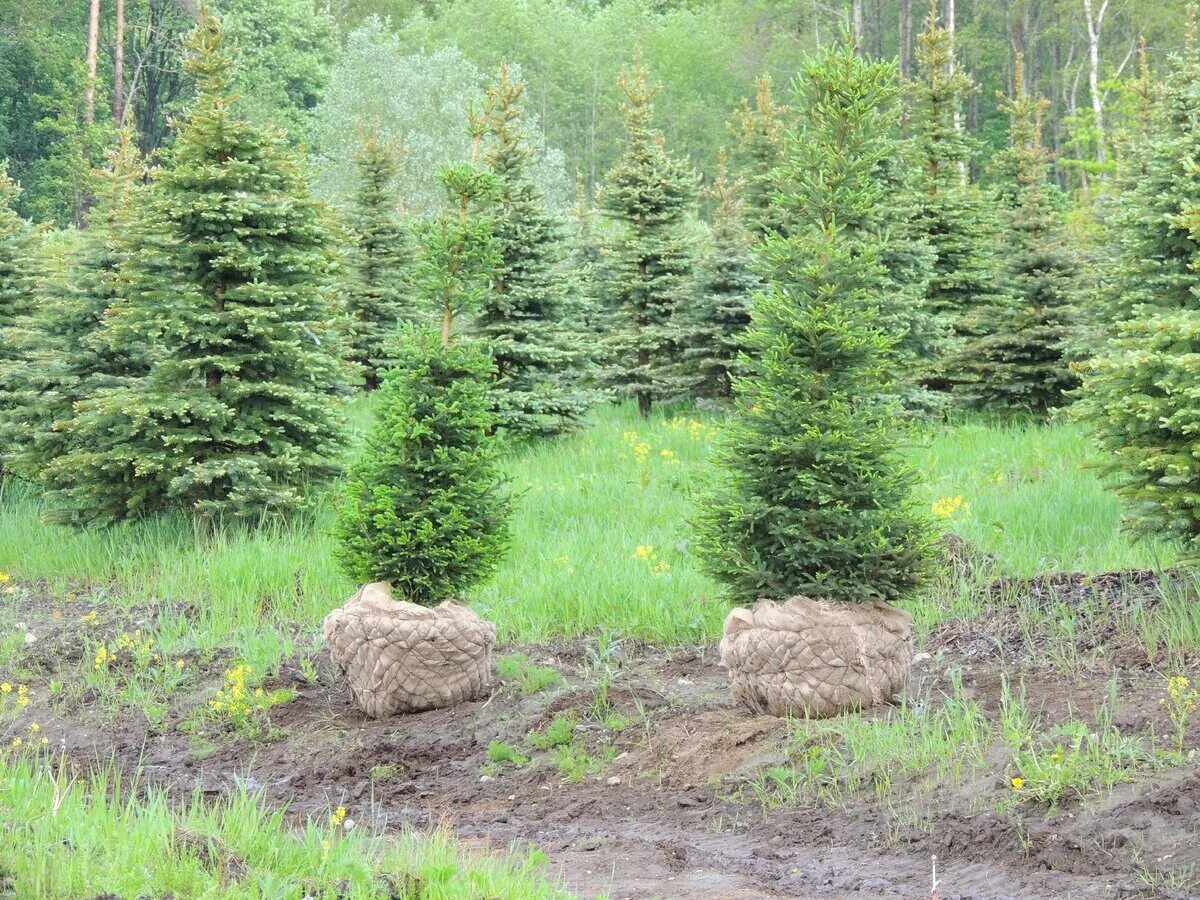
{"points": [[588, 503], [69, 838]]}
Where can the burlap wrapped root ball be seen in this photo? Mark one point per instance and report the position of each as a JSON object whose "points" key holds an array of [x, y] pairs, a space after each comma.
{"points": [[399, 657], [816, 658]]}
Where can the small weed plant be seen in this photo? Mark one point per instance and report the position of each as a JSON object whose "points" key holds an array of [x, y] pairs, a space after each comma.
{"points": [[242, 703]]}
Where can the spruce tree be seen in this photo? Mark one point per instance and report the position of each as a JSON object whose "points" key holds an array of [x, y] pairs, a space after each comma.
{"points": [[1140, 394], [648, 195], [720, 311], [18, 244], [379, 262], [424, 506], [760, 131], [903, 309], [238, 411], [531, 318], [1021, 363], [69, 354], [585, 260], [811, 495], [953, 216]]}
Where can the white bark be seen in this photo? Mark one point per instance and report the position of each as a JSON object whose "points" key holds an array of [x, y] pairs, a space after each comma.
{"points": [[1095, 25]]}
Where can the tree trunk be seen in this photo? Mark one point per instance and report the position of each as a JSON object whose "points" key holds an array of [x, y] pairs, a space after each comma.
{"points": [[1094, 28], [905, 38], [856, 20], [93, 44], [119, 67]]}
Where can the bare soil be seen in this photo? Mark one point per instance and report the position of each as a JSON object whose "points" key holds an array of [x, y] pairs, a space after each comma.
{"points": [[667, 814]]}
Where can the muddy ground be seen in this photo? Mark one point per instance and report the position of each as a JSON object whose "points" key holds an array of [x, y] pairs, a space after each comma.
{"points": [[665, 810]]}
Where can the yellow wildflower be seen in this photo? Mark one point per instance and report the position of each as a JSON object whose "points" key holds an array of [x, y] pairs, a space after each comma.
{"points": [[338, 817], [644, 551], [5, 578], [44, 741], [5, 688], [16, 742], [947, 507], [34, 727], [1018, 783]]}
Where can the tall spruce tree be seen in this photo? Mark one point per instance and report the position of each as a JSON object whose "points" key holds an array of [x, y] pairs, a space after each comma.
{"points": [[1141, 394], [238, 411], [18, 244], [69, 355], [759, 131], [953, 216], [648, 195], [1021, 362], [812, 496], [720, 311], [531, 318], [424, 507], [378, 268]]}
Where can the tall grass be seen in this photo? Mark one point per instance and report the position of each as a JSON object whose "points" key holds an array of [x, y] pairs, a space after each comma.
{"points": [[587, 503], [70, 838]]}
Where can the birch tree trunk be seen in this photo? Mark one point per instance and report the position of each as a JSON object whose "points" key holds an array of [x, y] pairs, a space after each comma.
{"points": [[856, 19], [1095, 25], [93, 44], [119, 66]]}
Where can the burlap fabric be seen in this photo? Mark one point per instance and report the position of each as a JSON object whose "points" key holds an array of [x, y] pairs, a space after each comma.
{"points": [[814, 658], [399, 657]]}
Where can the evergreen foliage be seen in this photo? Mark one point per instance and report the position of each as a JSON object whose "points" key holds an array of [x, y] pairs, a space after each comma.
{"points": [[1141, 394], [720, 310], [953, 216], [1021, 361], [380, 261], [760, 131], [18, 243], [648, 195], [585, 259], [529, 318], [812, 497], [68, 354], [424, 507], [902, 309], [237, 412]]}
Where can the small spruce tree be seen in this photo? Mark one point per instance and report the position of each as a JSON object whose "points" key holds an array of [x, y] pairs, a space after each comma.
{"points": [[237, 413], [953, 216], [18, 245], [720, 311], [424, 507], [1140, 393], [1020, 363], [69, 353], [531, 318], [378, 266], [811, 495], [760, 133], [647, 265]]}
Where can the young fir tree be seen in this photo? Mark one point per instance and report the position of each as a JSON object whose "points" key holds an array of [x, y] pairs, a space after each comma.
{"points": [[69, 353], [812, 496], [760, 132], [424, 507], [1140, 394], [720, 312], [531, 318], [648, 195], [379, 263], [953, 216], [1021, 362], [237, 413]]}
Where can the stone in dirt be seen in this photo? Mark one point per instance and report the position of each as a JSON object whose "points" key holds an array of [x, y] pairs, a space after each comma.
{"points": [[399, 657], [816, 658]]}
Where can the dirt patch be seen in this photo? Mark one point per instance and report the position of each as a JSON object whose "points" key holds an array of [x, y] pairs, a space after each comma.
{"points": [[648, 794]]}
